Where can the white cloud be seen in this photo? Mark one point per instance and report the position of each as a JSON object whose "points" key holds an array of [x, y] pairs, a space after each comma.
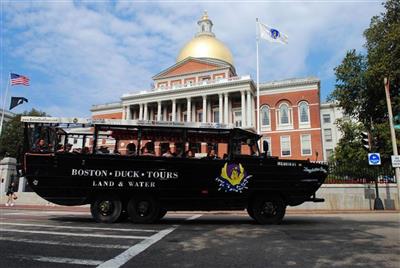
{"points": [[90, 53]]}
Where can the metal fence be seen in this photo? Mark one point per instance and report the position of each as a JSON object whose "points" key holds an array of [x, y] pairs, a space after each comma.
{"points": [[356, 173]]}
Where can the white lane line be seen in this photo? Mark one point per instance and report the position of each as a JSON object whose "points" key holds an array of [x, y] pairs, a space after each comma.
{"points": [[131, 252], [74, 234], [60, 260], [194, 217], [78, 227], [48, 242]]}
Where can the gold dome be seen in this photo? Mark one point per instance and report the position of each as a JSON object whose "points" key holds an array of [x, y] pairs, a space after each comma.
{"points": [[205, 45]]}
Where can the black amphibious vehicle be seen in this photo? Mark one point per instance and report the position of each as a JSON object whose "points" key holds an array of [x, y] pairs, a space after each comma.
{"points": [[142, 169]]}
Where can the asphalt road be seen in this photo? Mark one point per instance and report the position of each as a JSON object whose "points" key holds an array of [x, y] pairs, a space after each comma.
{"points": [[42, 238]]}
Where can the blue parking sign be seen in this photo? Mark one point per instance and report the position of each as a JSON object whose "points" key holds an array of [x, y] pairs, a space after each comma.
{"points": [[374, 159]]}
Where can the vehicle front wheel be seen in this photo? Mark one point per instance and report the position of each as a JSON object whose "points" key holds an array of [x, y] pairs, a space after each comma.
{"points": [[143, 209], [106, 209], [268, 210]]}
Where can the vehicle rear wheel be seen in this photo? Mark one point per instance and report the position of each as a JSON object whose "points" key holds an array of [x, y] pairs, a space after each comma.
{"points": [[162, 213], [250, 211], [268, 210], [106, 209], [143, 209]]}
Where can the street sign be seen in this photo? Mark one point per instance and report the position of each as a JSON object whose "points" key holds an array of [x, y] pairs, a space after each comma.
{"points": [[395, 161], [374, 159]]}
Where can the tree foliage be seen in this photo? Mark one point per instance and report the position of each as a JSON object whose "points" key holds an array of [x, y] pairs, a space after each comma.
{"points": [[359, 87], [11, 138]]}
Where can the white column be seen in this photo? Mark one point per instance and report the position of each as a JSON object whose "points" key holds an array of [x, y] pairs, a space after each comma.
{"points": [[189, 110], [124, 112], [204, 109], [128, 112], [194, 113], [146, 113], [173, 110], [165, 115], [220, 113], [226, 110], [243, 109], [140, 111], [159, 111], [179, 112], [248, 112], [209, 111]]}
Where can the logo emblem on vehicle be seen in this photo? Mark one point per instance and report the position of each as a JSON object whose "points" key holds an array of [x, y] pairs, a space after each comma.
{"points": [[233, 178]]}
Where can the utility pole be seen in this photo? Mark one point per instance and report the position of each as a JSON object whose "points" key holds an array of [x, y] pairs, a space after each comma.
{"points": [[392, 132]]}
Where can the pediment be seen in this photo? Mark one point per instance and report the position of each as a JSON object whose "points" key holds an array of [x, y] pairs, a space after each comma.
{"points": [[191, 65]]}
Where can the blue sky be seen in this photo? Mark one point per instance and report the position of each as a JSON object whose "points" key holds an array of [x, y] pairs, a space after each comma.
{"points": [[80, 53]]}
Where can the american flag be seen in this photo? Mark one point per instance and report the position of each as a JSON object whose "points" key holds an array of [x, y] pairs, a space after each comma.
{"points": [[17, 79]]}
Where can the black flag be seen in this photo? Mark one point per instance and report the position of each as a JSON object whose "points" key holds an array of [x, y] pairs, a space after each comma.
{"points": [[15, 101]]}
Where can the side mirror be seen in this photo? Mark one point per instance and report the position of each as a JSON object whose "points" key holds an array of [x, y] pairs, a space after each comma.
{"points": [[265, 147]]}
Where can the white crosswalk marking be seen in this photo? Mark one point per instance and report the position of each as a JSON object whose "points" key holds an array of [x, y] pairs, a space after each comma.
{"points": [[60, 260]]}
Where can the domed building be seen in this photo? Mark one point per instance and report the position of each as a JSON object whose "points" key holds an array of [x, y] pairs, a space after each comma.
{"points": [[203, 86]]}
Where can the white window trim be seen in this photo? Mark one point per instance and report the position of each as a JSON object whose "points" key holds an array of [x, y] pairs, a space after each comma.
{"points": [[325, 135], [304, 124], [323, 119], [290, 146], [301, 145], [289, 125], [265, 127]]}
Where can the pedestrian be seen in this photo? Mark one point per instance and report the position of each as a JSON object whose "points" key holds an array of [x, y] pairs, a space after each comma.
{"points": [[11, 195]]}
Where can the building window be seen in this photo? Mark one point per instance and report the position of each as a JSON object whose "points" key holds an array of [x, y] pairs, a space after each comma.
{"points": [[237, 118], [285, 146], [268, 139], [265, 117], [215, 115], [284, 116], [304, 113], [326, 118], [328, 153], [306, 144], [184, 116], [200, 116], [328, 134]]}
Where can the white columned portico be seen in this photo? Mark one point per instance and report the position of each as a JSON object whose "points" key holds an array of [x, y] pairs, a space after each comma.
{"points": [[249, 112], [194, 115], [243, 108], [226, 114], [173, 110], [220, 111], [204, 117], [189, 110], [159, 111], [140, 111], [146, 113]]}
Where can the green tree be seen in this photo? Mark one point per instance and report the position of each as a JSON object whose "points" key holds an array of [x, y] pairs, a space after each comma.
{"points": [[359, 88], [12, 136]]}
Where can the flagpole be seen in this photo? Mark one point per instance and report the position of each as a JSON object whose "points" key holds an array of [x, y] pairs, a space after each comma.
{"points": [[258, 79], [4, 104]]}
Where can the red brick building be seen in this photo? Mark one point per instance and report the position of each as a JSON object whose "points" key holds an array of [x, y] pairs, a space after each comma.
{"points": [[203, 86]]}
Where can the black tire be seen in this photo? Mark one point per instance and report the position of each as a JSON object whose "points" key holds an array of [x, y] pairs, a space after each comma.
{"points": [[250, 211], [106, 209], [268, 210], [162, 213], [143, 209]]}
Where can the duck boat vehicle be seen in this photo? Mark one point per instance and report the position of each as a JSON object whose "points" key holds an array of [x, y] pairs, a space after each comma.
{"points": [[142, 169]]}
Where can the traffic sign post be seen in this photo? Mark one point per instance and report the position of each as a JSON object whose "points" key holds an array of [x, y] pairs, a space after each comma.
{"points": [[374, 159]]}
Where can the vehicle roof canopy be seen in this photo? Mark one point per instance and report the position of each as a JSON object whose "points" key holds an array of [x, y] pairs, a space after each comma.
{"points": [[73, 122]]}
